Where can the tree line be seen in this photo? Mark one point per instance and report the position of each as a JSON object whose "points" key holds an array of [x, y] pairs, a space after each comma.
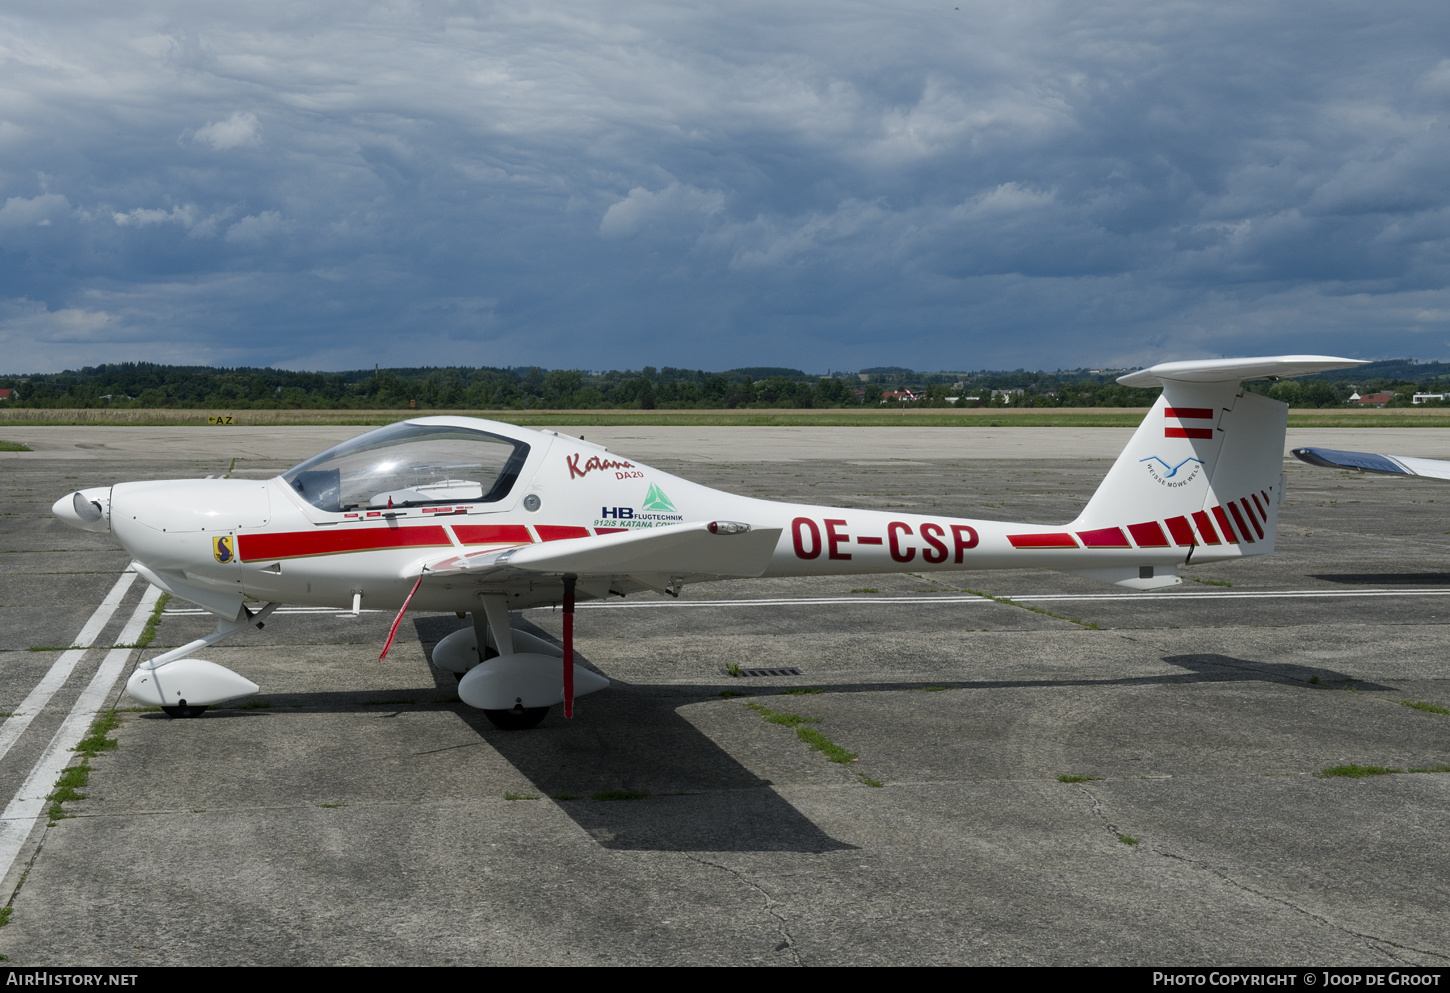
{"points": [[145, 385]]}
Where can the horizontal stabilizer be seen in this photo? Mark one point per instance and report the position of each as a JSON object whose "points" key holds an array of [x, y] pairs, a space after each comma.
{"points": [[1390, 465], [1236, 370], [681, 549]]}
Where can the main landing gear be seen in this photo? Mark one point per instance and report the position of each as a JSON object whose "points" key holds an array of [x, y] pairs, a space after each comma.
{"points": [[512, 676]]}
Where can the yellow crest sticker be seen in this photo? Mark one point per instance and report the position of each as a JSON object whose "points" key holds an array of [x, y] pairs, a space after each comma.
{"points": [[222, 549]]}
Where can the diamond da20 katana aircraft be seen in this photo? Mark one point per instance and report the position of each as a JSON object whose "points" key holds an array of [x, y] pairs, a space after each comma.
{"points": [[479, 517]]}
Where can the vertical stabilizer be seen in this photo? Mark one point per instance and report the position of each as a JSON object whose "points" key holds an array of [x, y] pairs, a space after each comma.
{"points": [[1202, 475]]}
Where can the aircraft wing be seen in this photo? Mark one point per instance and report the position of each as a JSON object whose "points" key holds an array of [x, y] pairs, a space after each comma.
{"points": [[1390, 465], [701, 549]]}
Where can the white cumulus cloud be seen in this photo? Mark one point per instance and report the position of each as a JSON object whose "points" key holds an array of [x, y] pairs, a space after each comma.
{"points": [[143, 216], [238, 130], [643, 209], [20, 212]]}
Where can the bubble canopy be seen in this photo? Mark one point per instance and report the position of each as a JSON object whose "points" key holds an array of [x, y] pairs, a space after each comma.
{"points": [[410, 465]]}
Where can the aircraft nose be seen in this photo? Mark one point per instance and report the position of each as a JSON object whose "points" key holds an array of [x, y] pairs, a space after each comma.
{"points": [[89, 509]]}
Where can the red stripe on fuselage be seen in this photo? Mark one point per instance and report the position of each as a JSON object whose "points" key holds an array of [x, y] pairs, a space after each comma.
{"points": [[559, 532], [1149, 534], [1060, 539], [1195, 413], [1104, 538], [493, 534], [1188, 433], [296, 544], [1181, 530]]}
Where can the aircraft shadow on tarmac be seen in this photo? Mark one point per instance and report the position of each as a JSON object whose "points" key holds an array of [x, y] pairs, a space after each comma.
{"points": [[640, 743], [1387, 578], [637, 742]]}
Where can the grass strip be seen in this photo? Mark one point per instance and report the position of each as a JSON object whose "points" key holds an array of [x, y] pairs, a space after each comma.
{"points": [[1090, 625], [95, 740], [1426, 706], [817, 741], [148, 633], [1361, 771], [13, 446], [74, 778], [746, 417], [68, 787]]}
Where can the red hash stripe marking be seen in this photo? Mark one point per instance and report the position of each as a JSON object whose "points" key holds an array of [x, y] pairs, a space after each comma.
{"points": [[296, 544], [1104, 538], [1233, 508], [1252, 519], [1188, 433], [1181, 530], [1059, 539], [1196, 413], [1149, 534], [1205, 528], [609, 530], [1225, 526], [1244, 506], [1260, 507], [493, 534], [558, 532]]}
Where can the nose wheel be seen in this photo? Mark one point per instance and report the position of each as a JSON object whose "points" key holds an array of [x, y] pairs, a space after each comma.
{"points": [[183, 710]]}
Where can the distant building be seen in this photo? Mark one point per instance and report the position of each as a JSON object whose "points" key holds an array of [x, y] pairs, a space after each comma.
{"points": [[1422, 397], [9, 394], [1372, 399]]}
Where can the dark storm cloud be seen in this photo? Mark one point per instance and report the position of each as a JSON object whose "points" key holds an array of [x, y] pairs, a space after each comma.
{"points": [[819, 185]]}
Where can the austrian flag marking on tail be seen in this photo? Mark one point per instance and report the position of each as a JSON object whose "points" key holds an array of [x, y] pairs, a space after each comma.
{"points": [[1188, 422]]}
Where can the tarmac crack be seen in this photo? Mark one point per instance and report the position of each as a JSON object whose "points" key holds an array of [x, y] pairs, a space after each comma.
{"points": [[1372, 939], [787, 942]]}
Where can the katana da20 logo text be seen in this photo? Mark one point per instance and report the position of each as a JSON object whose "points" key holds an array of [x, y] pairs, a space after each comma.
{"points": [[1173, 476], [622, 470]]}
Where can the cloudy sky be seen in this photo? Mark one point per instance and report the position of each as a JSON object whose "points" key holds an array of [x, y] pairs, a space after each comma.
{"points": [[822, 185]]}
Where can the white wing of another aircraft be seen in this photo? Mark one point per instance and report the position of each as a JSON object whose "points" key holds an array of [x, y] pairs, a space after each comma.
{"points": [[1390, 465], [480, 517]]}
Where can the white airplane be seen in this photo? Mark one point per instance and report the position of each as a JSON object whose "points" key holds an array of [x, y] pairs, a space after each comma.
{"points": [[479, 517], [1390, 465]]}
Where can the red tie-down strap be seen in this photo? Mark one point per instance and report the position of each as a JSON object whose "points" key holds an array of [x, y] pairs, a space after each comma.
{"points": [[399, 619], [569, 646]]}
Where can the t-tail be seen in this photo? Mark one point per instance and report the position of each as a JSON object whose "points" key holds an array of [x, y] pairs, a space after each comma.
{"points": [[1203, 474]]}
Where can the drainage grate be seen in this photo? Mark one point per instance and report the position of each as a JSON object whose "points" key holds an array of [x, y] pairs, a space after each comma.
{"points": [[786, 671]]}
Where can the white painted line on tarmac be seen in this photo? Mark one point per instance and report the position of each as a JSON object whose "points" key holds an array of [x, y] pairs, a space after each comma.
{"points": [[1242, 595], [1035, 597], [53, 680], [858, 600], [28, 805], [330, 611]]}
